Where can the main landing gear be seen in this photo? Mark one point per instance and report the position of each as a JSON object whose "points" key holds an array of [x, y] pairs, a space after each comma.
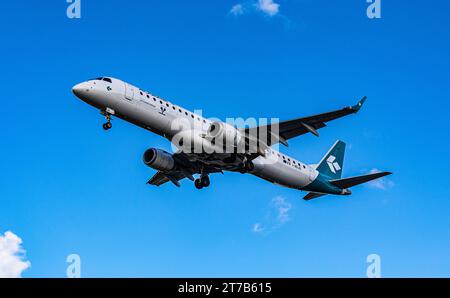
{"points": [[107, 125], [246, 166], [201, 182]]}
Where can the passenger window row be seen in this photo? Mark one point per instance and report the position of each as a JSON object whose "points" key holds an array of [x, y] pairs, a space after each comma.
{"points": [[180, 111], [287, 160]]}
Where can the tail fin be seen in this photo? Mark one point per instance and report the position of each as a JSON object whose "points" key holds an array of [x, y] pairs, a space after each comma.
{"points": [[332, 163]]}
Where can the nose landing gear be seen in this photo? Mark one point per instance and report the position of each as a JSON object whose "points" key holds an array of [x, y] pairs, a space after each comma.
{"points": [[107, 125]]}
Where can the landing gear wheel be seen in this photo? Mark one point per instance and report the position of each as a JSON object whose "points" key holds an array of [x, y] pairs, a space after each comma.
{"points": [[205, 181], [198, 184], [107, 126]]}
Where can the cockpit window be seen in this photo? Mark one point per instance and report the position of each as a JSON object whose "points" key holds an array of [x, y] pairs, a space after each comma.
{"points": [[102, 79]]}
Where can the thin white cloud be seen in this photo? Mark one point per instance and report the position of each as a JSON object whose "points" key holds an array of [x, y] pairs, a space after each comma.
{"points": [[257, 228], [277, 215], [237, 10], [381, 183], [282, 207], [12, 262], [267, 7]]}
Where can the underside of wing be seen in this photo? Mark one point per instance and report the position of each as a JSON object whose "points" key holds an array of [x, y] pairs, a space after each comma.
{"points": [[187, 166], [160, 178]]}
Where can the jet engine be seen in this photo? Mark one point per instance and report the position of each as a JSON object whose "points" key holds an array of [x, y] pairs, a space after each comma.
{"points": [[159, 160], [224, 133]]}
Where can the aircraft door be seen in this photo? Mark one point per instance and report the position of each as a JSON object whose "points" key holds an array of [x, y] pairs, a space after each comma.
{"points": [[311, 174], [129, 91]]}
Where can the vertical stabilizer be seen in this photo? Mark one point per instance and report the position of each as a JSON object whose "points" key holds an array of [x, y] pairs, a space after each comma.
{"points": [[332, 163]]}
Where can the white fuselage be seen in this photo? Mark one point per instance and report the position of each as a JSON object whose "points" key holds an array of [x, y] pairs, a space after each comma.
{"points": [[160, 116]]}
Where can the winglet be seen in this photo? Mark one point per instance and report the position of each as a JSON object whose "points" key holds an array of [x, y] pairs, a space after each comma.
{"points": [[358, 106]]}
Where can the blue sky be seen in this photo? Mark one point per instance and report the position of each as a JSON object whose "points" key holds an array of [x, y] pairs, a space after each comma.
{"points": [[69, 187]]}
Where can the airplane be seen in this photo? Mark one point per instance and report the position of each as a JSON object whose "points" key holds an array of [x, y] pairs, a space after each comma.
{"points": [[222, 146]]}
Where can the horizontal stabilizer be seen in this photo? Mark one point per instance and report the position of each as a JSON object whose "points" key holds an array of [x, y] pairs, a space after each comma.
{"points": [[352, 181], [313, 195]]}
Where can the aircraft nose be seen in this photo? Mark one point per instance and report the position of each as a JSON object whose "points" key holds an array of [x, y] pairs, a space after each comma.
{"points": [[80, 89]]}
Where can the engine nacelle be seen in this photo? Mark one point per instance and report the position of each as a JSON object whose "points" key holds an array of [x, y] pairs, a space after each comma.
{"points": [[159, 160], [224, 133]]}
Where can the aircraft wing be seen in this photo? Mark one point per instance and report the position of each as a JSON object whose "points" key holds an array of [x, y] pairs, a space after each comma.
{"points": [[160, 178], [296, 127]]}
